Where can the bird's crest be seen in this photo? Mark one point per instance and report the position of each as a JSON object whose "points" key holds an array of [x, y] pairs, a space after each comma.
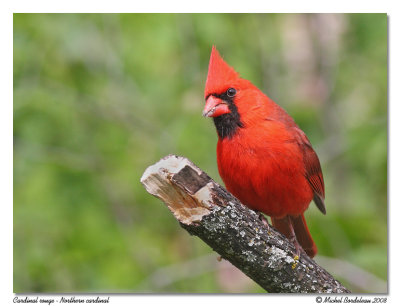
{"points": [[220, 74]]}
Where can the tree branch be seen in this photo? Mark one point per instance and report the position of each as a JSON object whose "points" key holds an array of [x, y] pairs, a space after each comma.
{"points": [[207, 210]]}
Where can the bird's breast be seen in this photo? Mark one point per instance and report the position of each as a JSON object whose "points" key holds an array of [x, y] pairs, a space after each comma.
{"points": [[265, 175]]}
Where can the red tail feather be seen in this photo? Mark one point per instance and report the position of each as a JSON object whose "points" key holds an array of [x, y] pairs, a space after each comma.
{"points": [[301, 231], [303, 235]]}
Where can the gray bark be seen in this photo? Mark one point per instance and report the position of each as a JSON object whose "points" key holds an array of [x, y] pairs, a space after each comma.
{"points": [[207, 210]]}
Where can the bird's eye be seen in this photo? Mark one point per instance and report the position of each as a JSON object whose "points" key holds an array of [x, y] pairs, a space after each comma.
{"points": [[231, 92]]}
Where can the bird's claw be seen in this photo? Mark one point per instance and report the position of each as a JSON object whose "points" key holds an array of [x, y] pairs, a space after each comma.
{"points": [[297, 246]]}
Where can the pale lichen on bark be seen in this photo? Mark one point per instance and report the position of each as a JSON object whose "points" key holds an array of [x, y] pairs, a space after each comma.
{"points": [[207, 210]]}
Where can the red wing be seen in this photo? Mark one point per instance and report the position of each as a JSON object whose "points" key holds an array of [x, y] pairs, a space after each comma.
{"points": [[313, 171]]}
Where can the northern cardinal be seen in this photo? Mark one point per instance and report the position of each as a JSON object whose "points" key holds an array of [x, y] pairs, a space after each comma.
{"points": [[264, 158]]}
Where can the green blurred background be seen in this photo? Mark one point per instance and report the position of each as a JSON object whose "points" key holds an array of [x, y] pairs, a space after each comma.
{"points": [[99, 97]]}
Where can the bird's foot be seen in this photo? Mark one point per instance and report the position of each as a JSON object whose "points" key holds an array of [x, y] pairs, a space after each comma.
{"points": [[297, 246]]}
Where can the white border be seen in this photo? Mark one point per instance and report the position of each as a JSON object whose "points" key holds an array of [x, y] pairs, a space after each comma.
{"points": [[206, 6]]}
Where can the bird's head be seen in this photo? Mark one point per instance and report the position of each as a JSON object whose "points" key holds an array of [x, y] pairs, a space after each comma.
{"points": [[229, 98]]}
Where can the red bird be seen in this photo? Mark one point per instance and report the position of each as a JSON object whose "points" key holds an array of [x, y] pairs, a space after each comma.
{"points": [[264, 158]]}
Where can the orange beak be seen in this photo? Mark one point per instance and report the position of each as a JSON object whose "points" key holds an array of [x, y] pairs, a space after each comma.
{"points": [[215, 107]]}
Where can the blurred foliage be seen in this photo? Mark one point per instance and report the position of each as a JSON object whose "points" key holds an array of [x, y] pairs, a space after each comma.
{"points": [[98, 98]]}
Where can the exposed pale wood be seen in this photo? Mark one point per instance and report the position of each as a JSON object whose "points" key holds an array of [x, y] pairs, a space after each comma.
{"points": [[207, 210]]}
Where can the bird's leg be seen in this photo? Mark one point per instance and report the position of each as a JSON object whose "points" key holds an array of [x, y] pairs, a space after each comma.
{"points": [[293, 239], [263, 219]]}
